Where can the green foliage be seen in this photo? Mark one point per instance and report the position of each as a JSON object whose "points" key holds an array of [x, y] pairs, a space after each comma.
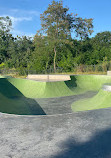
{"points": [[57, 24], [53, 47], [22, 71], [67, 63], [19, 52], [2, 65], [5, 24], [5, 37]]}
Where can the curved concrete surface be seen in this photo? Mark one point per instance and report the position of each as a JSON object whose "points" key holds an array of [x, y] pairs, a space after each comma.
{"points": [[74, 135], [61, 105], [77, 135], [22, 96], [101, 100], [77, 85]]}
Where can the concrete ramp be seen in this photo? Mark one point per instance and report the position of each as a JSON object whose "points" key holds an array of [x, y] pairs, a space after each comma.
{"points": [[101, 100], [22, 96], [70, 135]]}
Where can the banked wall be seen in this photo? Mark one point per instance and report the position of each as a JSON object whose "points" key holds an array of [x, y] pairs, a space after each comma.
{"points": [[18, 96], [77, 85]]}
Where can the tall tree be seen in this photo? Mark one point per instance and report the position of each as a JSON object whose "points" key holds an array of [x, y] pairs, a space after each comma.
{"points": [[57, 24]]}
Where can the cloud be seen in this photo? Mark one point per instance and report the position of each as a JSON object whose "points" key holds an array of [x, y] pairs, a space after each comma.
{"points": [[21, 33], [21, 12], [17, 16], [15, 23], [16, 20]]}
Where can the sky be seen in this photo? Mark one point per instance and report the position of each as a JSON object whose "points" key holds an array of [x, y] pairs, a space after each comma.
{"points": [[25, 14]]}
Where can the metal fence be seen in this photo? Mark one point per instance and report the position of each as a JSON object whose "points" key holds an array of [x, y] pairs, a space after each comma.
{"points": [[75, 69], [8, 71], [24, 71]]}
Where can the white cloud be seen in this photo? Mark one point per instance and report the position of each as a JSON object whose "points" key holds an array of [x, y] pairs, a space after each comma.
{"points": [[16, 20], [20, 19], [20, 33], [17, 16], [20, 12]]}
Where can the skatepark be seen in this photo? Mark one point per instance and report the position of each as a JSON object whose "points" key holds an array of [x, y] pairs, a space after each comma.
{"points": [[55, 118]]}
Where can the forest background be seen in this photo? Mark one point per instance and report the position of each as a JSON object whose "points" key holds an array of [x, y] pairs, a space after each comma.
{"points": [[63, 44]]}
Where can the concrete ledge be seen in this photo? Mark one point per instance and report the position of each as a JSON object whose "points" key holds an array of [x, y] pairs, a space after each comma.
{"points": [[49, 77], [107, 88], [109, 73]]}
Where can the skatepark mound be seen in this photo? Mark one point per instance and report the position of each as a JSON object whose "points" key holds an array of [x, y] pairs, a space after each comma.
{"points": [[24, 97]]}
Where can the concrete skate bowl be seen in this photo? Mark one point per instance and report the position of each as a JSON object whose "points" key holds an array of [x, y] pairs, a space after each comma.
{"points": [[28, 97]]}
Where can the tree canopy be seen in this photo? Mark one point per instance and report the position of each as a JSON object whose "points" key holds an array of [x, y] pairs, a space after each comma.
{"points": [[53, 46], [58, 23]]}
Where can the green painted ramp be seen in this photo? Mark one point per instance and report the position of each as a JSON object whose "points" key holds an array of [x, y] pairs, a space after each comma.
{"points": [[19, 96], [101, 100], [77, 85]]}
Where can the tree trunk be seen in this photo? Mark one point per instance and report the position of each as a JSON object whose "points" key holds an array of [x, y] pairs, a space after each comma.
{"points": [[54, 60]]}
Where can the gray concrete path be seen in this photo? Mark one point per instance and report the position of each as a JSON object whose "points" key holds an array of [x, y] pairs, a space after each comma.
{"points": [[61, 105], [76, 135]]}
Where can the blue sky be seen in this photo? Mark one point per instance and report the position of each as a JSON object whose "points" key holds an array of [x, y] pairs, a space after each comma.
{"points": [[25, 14]]}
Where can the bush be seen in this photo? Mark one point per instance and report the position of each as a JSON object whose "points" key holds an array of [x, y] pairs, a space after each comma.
{"points": [[22, 71]]}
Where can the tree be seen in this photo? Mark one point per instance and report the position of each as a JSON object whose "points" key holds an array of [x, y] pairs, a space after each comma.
{"points": [[41, 57], [57, 24], [101, 47], [103, 38], [19, 52], [5, 24], [5, 37]]}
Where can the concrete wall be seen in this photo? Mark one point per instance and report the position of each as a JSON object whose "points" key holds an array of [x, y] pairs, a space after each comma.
{"points": [[109, 73], [49, 77]]}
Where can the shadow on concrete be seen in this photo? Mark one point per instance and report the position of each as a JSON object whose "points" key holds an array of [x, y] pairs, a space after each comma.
{"points": [[7, 89], [62, 105], [12, 101], [71, 84], [98, 147]]}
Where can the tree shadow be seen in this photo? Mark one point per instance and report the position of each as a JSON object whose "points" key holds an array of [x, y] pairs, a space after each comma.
{"points": [[98, 147], [12, 101]]}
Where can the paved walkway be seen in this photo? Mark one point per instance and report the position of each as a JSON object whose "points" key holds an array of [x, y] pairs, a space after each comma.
{"points": [[76, 135]]}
